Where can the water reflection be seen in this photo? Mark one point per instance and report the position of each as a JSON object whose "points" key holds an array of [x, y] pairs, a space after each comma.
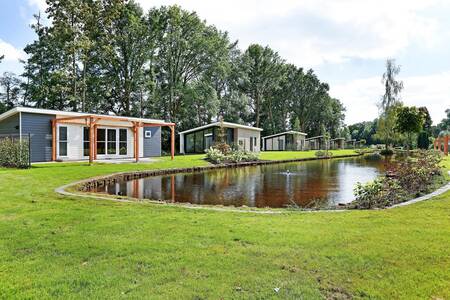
{"points": [[326, 181]]}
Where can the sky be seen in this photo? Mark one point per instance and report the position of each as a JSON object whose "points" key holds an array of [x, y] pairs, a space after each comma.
{"points": [[345, 42]]}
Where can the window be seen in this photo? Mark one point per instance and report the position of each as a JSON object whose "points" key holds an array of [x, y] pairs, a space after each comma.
{"points": [[101, 141], [189, 143], [199, 142], [112, 138], [86, 142], [123, 141], [62, 141]]}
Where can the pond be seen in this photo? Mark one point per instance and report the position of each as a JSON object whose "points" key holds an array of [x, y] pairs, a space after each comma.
{"points": [[303, 184]]}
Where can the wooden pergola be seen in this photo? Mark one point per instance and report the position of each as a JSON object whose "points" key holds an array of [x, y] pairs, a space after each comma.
{"points": [[93, 121], [442, 141]]}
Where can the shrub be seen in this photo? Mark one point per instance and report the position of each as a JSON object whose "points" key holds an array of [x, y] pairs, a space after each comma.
{"points": [[373, 156], [380, 193], [423, 140], [215, 155], [407, 179], [14, 153], [233, 156], [387, 152], [224, 148], [322, 153]]}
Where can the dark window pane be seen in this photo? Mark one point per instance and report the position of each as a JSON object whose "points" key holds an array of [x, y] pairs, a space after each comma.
{"points": [[101, 148], [199, 142], [62, 148], [101, 135], [86, 148], [111, 135], [112, 148], [63, 133], [123, 135], [86, 134], [122, 148], [190, 143], [230, 136]]}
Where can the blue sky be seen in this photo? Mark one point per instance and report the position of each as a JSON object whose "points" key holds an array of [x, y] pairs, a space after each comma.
{"points": [[346, 42]]}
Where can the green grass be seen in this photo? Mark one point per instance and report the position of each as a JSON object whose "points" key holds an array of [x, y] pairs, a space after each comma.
{"points": [[281, 155], [59, 247]]}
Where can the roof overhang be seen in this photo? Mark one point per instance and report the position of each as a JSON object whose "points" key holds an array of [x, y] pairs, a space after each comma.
{"points": [[284, 133], [65, 116], [225, 124]]}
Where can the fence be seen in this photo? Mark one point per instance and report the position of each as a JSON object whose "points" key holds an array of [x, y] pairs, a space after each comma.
{"points": [[15, 150]]}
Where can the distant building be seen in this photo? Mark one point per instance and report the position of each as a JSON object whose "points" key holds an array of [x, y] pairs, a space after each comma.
{"points": [[289, 140], [199, 139], [316, 143], [337, 143]]}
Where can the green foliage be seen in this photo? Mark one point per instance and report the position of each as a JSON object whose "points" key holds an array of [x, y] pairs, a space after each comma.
{"points": [[392, 86], [423, 140], [386, 128], [216, 156], [408, 179], [111, 57], [409, 121], [14, 153], [323, 153], [387, 152]]}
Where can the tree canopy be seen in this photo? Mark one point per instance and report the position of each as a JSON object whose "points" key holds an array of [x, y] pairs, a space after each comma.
{"points": [[113, 57]]}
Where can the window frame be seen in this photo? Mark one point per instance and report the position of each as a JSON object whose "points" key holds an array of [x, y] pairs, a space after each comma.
{"points": [[66, 141]]}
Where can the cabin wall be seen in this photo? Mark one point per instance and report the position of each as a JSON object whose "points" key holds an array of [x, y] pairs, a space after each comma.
{"points": [[244, 136], [152, 144], [39, 127]]}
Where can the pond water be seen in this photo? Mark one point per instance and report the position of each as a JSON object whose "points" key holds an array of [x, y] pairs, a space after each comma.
{"points": [[303, 184]]}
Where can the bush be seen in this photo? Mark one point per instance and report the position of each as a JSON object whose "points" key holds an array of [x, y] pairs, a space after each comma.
{"points": [[423, 140], [14, 153], [387, 152], [215, 155], [408, 178], [322, 153], [233, 156], [380, 193], [373, 156]]}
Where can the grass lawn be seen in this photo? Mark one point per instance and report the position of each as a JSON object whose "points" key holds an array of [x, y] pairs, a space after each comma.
{"points": [[53, 246], [281, 155]]}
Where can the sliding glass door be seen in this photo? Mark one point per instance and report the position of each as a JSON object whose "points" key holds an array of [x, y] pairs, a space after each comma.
{"points": [[112, 141]]}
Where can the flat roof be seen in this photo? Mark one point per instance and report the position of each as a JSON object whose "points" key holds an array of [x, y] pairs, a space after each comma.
{"points": [[315, 137], [283, 133], [73, 114], [337, 139], [226, 124]]}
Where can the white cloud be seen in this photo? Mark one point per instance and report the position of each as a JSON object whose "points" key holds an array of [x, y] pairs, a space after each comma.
{"points": [[360, 96], [10, 52], [311, 32], [40, 4]]}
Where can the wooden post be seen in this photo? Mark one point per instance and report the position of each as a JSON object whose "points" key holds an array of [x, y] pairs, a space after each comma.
{"points": [[54, 140], [95, 142], [446, 139], [91, 140], [136, 141], [172, 141]]}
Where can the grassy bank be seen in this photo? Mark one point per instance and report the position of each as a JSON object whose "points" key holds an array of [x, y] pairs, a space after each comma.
{"points": [[52, 246]]}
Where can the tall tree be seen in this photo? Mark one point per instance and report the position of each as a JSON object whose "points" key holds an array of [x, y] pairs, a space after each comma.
{"points": [[263, 73], [409, 121], [10, 91], [392, 86]]}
